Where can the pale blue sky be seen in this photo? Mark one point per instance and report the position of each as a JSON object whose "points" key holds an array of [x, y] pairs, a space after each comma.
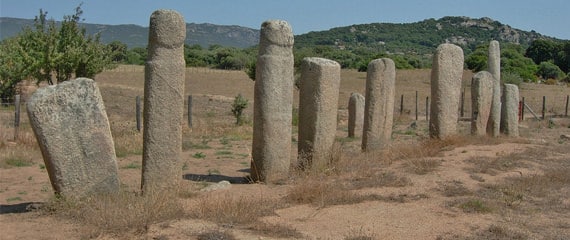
{"points": [[549, 17]]}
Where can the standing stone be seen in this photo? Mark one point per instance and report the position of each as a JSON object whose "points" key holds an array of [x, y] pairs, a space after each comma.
{"points": [[510, 117], [481, 98], [163, 101], [273, 103], [355, 115], [72, 129], [446, 74], [494, 66], [318, 107], [379, 104]]}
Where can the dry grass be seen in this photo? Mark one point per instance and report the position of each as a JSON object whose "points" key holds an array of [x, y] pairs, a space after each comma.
{"points": [[216, 234], [275, 231], [231, 210], [124, 211]]}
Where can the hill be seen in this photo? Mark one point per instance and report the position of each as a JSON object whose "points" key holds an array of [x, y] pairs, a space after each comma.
{"points": [[204, 34], [420, 37]]}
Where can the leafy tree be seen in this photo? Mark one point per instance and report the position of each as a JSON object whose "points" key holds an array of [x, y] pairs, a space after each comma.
{"points": [[119, 50], [548, 70], [541, 50], [137, 56], [13, 68]]}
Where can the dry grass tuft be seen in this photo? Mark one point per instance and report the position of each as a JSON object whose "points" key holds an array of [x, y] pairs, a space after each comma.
{"points": [[216, 234], [231, 210], [322, 194], [128, 141], [422, 166], [454, 188], [273, 230], [119, 212]]}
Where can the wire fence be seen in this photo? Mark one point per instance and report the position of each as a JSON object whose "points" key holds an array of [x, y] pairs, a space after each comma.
{"points": [[540, 108]]}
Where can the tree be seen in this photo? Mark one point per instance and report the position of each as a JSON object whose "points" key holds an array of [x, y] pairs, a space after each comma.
{"points": [[13, 69], [548, 70], [541, 50], [119, 50], [47, 50]]}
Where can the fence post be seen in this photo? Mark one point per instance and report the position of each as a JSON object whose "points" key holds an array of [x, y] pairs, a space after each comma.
{"points": [[401, 104], [190, 111], [462, 102], [416, 105], [522, 110], [138, 112], [427, 108], [17, 117], [566, 112], [543, 107]]}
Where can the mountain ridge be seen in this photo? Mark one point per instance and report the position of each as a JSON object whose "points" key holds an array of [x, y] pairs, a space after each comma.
{"points": [[397, 38]]}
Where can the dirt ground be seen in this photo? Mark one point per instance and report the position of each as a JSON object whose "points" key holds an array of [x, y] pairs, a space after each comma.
{"points": [[468, 188]]}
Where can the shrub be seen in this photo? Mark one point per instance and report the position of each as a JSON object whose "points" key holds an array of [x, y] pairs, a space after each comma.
{"points": [[511, 78], [239, 104]]}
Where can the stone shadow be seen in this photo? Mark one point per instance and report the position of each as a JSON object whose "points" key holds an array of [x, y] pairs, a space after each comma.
{"points": [[20, 207], [214, 178]]}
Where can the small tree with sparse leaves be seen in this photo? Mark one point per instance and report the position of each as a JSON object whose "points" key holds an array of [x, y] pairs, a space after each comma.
{"points": [[240, 103]]}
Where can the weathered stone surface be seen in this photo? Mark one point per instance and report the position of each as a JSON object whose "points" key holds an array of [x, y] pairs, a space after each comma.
{"points": [[273, 103], [218, 186], [379, 104], [72, 129], [481, 98], [355, 115], [510, 111], [446, 73], [163, 101], [494, 66], [318, 106]]}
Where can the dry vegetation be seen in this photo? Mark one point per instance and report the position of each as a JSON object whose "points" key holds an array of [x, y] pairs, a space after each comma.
{"points": [[419, 188]]}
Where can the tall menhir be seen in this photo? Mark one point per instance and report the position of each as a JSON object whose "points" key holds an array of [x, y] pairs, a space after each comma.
{"points": [[163, 101], [273, 102]]}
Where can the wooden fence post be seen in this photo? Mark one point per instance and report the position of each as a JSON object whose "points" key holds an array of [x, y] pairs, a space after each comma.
{"points": [[522, 110], [427, 108], [138, 112], [416, 105], [543, 107], [566, 112], [16, 117], [462, 103], [190, 111], [401, 104]]}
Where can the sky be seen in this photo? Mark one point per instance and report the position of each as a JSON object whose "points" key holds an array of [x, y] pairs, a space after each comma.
{"points": [[548, 17]]}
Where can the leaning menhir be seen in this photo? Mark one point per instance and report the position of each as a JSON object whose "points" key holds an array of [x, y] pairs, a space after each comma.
{"points": [[72, 129], [163, 101], [446, 74], [273, 103], [318, 107]]}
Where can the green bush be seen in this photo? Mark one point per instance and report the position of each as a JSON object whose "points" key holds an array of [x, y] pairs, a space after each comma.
{"points": [[240, 103], [511, 78]]}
